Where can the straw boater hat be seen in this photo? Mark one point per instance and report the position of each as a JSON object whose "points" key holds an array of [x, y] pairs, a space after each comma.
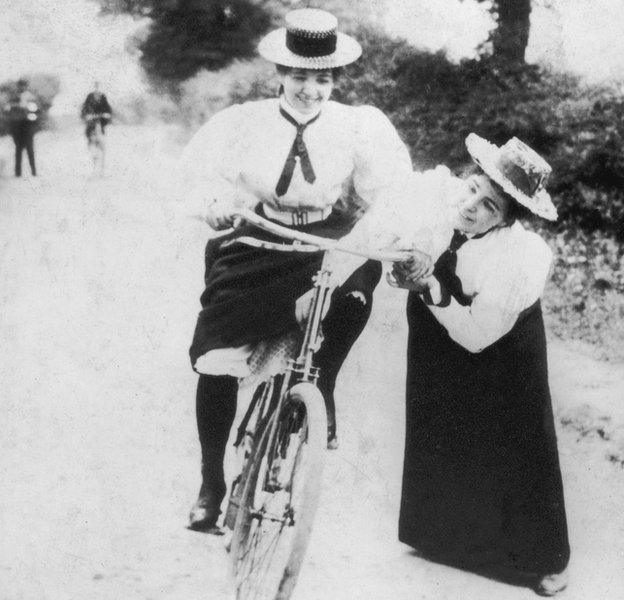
{"points": [[309, 41], [518, 169]]}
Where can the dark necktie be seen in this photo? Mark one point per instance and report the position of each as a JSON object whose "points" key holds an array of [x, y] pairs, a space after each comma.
{"points": [[299, 149], [444, 271]]}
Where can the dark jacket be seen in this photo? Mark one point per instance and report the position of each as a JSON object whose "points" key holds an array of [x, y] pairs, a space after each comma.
{"points": [[95, 104], [22, 106]]}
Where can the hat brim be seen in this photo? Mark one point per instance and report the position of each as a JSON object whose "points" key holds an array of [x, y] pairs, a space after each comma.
{"points": [[484, 153], [273, 47]]}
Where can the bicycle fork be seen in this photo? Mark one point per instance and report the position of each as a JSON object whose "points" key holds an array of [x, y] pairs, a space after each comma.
{"points": [[302, 368]]}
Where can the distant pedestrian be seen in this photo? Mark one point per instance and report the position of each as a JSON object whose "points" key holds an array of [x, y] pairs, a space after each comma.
{"points": [[23, 113]]}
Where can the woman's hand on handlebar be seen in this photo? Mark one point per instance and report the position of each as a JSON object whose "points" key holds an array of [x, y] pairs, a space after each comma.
{"points": [[414, 274], [417, 266], [397, 280], [222, 214]]}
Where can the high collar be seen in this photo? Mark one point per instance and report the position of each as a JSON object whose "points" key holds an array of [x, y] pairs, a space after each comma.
{"points": [[295, 114]]}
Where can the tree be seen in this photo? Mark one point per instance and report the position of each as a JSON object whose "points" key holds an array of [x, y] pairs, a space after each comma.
{"points": [[510, 37], [186, 36]]}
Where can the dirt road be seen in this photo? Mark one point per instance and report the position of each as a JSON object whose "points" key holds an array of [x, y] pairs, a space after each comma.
{"points": [[99, 282]]}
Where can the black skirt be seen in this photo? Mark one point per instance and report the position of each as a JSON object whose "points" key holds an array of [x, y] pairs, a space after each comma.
{"points": [[250, 292], [481, 482]]}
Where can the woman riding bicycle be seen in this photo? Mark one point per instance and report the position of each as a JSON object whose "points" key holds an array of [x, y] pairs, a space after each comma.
{"points": [[293, 159]]}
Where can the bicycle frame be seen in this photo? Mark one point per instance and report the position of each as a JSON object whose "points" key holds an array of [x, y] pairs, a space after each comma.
{"points": [[267, 421], [302, 368]]}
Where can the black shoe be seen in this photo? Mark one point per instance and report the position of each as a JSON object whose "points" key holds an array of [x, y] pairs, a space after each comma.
{"points": [[552, 584], [203, 517]]}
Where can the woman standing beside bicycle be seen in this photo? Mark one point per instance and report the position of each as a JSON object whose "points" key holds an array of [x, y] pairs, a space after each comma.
{"points": [[293, 159], [482, 485]]}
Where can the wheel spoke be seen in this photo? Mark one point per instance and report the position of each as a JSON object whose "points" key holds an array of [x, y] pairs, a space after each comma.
{"points": [[256, 565], [279, 500]]}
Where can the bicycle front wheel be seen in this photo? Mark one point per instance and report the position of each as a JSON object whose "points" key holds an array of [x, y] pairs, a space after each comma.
{"points": [[280, 498]]}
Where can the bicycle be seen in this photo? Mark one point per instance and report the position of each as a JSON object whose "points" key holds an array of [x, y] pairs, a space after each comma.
{"points": [[96, 140], [281, 441]]}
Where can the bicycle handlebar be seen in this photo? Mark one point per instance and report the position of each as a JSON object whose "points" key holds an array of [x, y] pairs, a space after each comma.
{"points": [[95, 116], [308, 242]]}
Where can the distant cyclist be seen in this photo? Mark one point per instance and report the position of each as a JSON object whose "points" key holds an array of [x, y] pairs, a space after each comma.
{"points": [[96, 112]]}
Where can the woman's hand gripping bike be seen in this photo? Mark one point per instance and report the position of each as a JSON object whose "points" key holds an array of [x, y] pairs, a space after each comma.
{"points": [[282, 439]]}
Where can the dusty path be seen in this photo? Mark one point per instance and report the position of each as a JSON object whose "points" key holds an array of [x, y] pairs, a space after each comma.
{"points": [[98, 451]]}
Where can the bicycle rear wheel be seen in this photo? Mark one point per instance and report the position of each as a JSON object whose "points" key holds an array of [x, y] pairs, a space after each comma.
{"points": [[281, 494]]}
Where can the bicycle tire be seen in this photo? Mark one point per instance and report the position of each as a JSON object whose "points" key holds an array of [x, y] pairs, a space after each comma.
{"points": [[264, 400], [276, 513]]}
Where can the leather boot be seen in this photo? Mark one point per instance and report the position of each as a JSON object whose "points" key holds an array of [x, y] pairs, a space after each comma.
{"points": [[349, 311], [215, 411]]}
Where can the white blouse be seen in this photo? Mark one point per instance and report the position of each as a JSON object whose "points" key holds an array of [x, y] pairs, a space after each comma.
{"points": [[504, 272], [239, 154]]}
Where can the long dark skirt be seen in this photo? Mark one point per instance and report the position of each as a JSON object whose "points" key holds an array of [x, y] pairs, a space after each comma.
{"points": [[481, 481], [250, 292]]}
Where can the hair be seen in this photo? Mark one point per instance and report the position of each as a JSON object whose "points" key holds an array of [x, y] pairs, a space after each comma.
{"points": [[284, 70], [514, 210]]}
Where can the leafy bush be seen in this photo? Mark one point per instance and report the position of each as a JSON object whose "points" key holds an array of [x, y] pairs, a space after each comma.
{"points": [[589, 161], [435, 104], [584, 298], [210, 91], [189, 35]]}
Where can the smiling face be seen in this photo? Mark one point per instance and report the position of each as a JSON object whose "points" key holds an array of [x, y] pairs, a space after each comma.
{"points": [[481, 206], [306, 90]]}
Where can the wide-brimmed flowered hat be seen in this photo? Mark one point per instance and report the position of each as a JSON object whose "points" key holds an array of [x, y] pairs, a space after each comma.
{"points": [[518, 169], [309, 41]]}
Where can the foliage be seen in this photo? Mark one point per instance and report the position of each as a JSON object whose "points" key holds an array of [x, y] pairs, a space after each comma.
{"points": [[435, 104], [584, 298], [142, 8], [186, 36], [589, 161], [44, 86], [210, 91]]}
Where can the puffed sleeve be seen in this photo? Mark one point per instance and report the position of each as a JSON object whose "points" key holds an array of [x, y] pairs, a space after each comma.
{"points": [[381, 159], [510, 282], [412, 213], [209, 165]]}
